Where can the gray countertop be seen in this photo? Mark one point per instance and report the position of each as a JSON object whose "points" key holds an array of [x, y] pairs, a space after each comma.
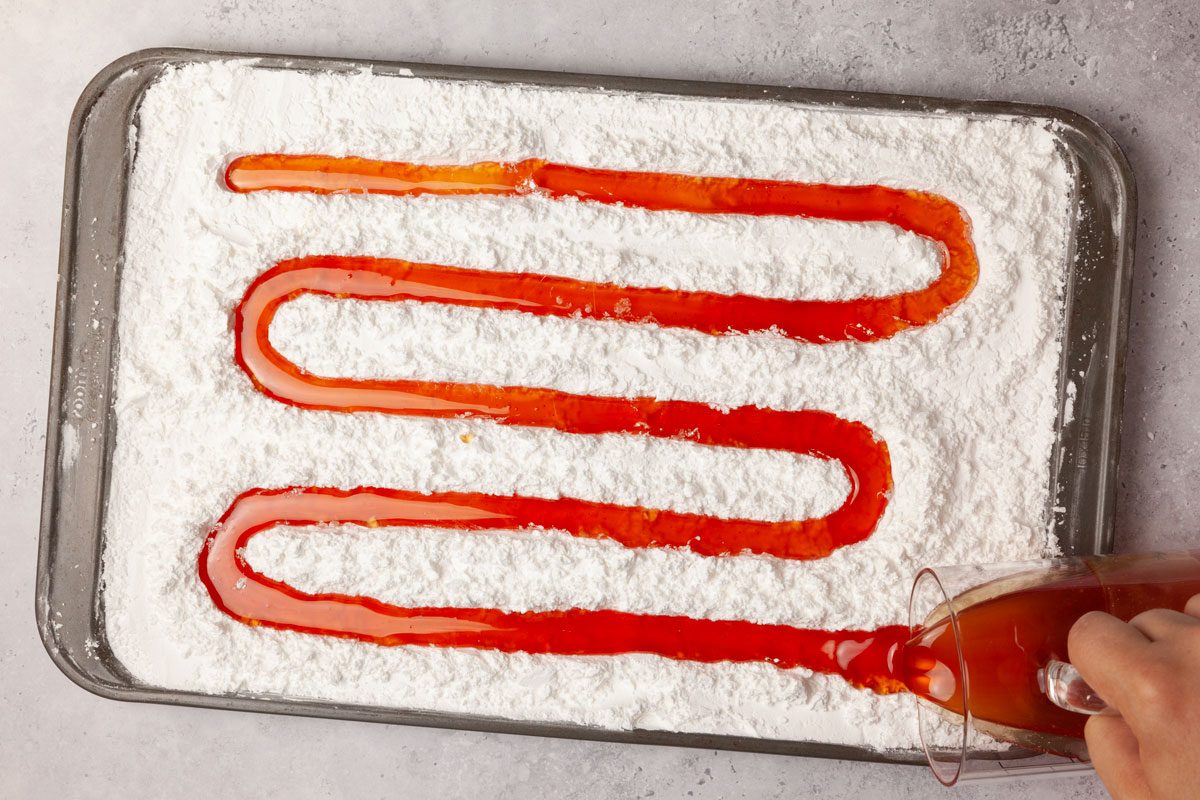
{"points": [[1133, 66]]}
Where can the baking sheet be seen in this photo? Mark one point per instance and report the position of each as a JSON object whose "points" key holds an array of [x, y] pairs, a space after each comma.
{"points": [[69, 603]]}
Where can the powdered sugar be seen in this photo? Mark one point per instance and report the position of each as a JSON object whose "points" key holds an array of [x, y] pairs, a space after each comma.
{"points": [[966, 406]]}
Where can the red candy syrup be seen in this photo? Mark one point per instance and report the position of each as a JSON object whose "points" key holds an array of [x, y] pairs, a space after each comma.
{"points": [[865, 658]]}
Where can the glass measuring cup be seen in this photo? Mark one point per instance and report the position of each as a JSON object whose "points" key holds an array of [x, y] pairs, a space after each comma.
{"points": [[988, 656]]}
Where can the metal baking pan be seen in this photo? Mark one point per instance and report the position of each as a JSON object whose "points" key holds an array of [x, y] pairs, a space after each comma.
{"points": [[70, 609]]}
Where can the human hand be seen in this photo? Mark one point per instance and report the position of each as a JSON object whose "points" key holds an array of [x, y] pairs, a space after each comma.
{"points": [[1148, 671]]}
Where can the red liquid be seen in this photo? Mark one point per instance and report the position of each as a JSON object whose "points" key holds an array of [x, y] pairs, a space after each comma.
{"points": [[867, 319], [1006, 639], [863, 658], [814, 433]]}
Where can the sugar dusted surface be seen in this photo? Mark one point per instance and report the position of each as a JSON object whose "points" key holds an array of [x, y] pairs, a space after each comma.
{"points": [[966, 406]]}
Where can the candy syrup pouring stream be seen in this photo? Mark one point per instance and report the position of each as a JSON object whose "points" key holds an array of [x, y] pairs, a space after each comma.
{"points": [[864, 658]]}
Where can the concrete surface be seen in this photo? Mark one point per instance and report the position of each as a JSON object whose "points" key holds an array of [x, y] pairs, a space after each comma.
{"points": [[1133, 66]]}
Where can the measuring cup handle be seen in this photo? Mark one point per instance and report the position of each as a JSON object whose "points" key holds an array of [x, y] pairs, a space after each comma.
{"points": [[1066, 688]]}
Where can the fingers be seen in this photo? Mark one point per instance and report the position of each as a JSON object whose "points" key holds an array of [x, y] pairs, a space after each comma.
{"points": [[1160, 623], [1193, 607], [1106, 651], [1115, 755]]}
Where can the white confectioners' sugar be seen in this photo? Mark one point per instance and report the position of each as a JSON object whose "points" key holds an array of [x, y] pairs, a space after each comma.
{"points": [[966, 405]]}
